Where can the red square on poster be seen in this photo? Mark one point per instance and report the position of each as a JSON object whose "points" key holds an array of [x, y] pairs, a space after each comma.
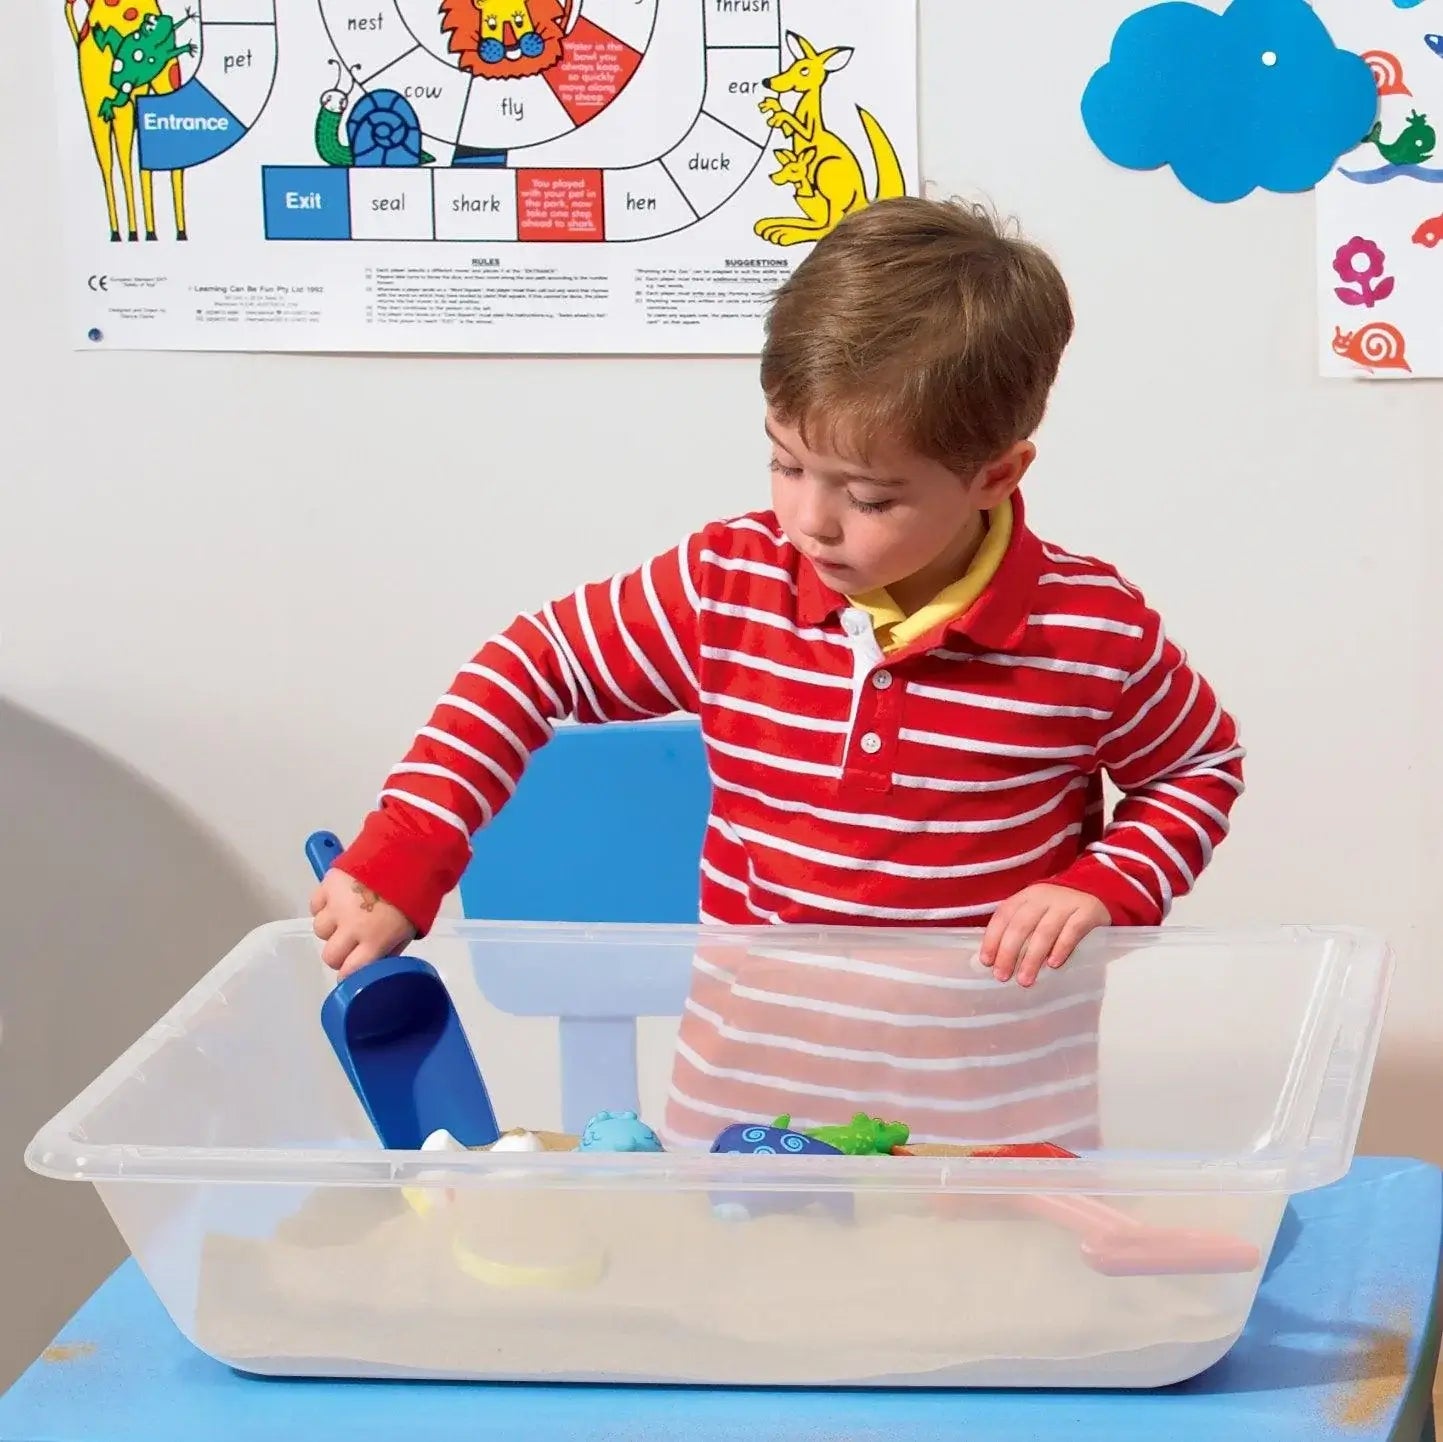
{"points": [[560, 205]]}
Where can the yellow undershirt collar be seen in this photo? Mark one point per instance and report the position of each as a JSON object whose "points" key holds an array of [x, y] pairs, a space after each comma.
{"points": [[895, 629]]}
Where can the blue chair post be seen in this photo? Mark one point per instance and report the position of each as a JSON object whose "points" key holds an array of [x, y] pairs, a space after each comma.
{"points": [[606, 827]]}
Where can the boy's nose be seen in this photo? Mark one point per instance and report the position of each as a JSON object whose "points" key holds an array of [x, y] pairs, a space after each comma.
{"points": [[818, 522]]}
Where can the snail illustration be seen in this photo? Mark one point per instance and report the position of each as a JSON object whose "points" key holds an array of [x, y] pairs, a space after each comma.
{"points": [[1376, 346], [384, 130]]}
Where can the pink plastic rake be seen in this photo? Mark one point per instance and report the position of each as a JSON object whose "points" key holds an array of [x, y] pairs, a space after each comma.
{"points": [[1113, 1243], [1118, 1245]]}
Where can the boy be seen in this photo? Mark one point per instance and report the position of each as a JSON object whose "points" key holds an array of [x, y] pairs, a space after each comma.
{"points": [[908, 699]]}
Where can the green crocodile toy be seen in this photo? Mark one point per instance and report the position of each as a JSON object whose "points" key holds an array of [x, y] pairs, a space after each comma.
{"points": [[140, 57], [863, 1136]]}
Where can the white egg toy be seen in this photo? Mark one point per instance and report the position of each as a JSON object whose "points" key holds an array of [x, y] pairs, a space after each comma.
{"points": [[424, 1200], [517, 1141]]}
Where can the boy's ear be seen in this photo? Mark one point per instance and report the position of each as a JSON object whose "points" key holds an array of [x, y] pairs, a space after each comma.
{"points": [[1000, 477]]}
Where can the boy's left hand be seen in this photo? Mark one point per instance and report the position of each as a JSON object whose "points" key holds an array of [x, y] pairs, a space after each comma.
{"points": [[1039, 927]]}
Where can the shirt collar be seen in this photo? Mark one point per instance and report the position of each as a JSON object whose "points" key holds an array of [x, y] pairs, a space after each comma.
{"points": [[996, 620]]}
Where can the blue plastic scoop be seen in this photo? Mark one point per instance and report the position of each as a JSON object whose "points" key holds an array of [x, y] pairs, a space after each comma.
{"points": [[396, 1034]]}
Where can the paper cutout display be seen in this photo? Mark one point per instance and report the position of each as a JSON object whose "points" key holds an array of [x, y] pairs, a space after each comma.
{"points": [[1379, 233], [1258, 97]]}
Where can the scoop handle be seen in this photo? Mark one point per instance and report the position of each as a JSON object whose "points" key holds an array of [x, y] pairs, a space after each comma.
{"points": [[322, 848]]}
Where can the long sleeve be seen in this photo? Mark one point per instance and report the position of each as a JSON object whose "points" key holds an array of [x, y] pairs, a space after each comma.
{"points": [[615, 650], [1173, 752]]}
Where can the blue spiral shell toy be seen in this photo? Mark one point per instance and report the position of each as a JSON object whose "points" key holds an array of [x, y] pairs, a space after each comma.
{"points": [[759, 1141], [753, 1140], [384, 130]]}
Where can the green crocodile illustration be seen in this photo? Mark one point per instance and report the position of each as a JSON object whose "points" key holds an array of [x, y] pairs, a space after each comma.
{"points": [[1414, 144], [140, 57], [863, 1136]]}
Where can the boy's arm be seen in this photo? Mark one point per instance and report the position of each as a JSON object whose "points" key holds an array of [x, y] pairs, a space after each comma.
{"points": [[616, 650], [1173, 752]]}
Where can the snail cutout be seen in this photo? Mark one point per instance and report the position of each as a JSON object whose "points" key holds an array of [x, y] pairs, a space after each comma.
{"points": [[1258, 97], [383, 127], [1387, 72], [1376, 346]]}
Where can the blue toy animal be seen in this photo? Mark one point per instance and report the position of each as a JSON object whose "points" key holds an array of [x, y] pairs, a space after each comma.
{"points": [[618, 1132]]}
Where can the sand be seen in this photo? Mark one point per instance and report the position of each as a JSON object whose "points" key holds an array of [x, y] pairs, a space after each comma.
{"points": [[357, 1284]]}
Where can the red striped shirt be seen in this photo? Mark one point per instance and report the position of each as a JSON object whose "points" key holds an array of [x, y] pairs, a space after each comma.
{"points": [[823, 1028], [921, 787]]}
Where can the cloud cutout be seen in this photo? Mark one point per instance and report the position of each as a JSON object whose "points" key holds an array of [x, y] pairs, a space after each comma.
{"points": [[1258, 97]]}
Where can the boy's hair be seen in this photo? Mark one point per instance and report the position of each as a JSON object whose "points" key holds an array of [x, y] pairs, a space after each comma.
{"points": [[922, 323]]}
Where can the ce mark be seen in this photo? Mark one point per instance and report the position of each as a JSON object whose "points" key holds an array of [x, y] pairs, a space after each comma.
{"points": [[99, 282]]}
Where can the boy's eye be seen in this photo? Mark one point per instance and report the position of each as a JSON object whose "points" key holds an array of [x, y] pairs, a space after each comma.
{"points": [[791, 472], [870, 508]]}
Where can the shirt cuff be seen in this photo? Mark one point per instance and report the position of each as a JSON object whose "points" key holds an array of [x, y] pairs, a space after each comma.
{"points": [[412, 870], [1126, 905]]}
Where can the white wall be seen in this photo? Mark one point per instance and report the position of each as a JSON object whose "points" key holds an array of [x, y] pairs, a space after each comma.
{"points": [[250, 677]]}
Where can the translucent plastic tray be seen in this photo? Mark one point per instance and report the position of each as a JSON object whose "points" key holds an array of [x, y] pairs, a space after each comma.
{"points": [[1200, 1078]]}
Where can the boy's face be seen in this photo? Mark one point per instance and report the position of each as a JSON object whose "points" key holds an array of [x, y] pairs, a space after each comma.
{"points": [[899, 521]]}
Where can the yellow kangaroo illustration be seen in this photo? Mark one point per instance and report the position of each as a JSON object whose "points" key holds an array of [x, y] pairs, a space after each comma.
{"points": [[834, 184], [113, 131], [797, 169]]}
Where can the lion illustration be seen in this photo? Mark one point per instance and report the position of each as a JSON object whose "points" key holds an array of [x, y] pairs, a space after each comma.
{"points": [[504, 39]]}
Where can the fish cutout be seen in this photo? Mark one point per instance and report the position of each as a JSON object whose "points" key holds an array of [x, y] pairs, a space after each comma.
{"points": [[1430, 233]]}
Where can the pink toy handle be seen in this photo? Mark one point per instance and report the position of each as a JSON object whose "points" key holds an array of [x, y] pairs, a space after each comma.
{"points": [[1120, 1246]]}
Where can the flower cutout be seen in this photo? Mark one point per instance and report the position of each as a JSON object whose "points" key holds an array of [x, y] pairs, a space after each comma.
{"points": [[1361, 264]]}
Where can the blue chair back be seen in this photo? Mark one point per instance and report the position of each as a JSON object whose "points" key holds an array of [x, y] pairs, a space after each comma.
{"points": [[606, 826]]}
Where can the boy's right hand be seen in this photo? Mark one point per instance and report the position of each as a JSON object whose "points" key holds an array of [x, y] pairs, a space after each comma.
{"points": [[357, 926]]}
